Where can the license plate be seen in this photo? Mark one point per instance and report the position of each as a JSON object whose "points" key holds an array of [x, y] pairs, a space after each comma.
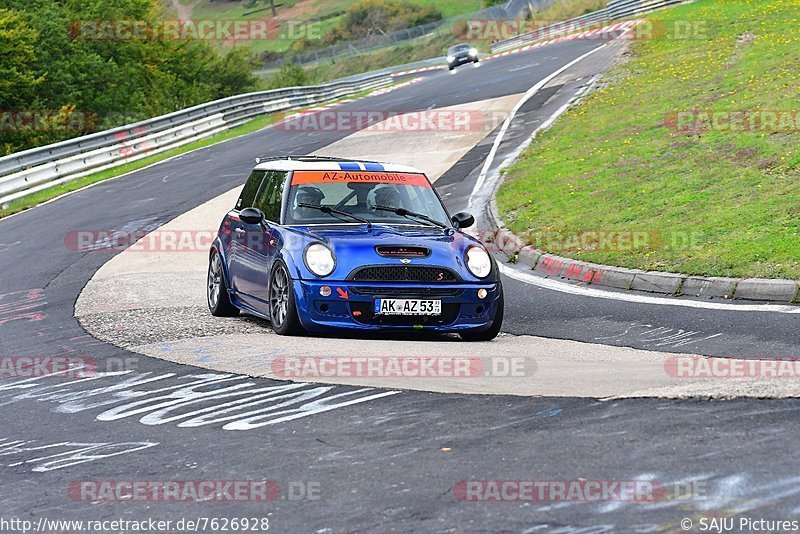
{"points": [[408, 307]]}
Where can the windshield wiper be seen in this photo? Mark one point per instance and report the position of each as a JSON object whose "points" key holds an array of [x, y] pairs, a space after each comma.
{"points": [[333, 212], [412, 214]]}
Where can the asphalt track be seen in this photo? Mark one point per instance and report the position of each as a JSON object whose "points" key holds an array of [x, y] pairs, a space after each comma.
{"points": [[388, 463]]}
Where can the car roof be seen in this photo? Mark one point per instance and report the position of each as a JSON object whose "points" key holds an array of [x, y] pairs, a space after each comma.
{"points": [[327, 163]]}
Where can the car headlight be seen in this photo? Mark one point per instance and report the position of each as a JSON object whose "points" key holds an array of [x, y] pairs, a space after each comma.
{"points": [[450, 59], [473, 51], [478, 262], [320, 260]]}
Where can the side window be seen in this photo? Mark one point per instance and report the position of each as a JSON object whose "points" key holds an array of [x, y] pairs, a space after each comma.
{"points": [[250, 189], [269, 197]]}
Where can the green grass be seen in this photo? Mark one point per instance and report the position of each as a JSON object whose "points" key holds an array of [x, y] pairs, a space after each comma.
{"points": [[452, 8], [567, 9], [614, 162]]}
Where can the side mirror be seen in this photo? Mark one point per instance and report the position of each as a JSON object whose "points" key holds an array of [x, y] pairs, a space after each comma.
{"points": [[252, 216], [463, 220]]}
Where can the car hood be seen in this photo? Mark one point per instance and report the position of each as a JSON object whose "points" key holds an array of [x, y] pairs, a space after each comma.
{"points": [[355, 246]]}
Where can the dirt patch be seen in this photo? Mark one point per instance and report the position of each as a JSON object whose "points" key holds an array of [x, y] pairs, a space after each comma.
{"points": [[742, 42], [184, 10], [299, 11]]}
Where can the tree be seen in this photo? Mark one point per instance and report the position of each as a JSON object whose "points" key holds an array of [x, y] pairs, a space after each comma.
{"points": [[18, 79], [70, 56]]}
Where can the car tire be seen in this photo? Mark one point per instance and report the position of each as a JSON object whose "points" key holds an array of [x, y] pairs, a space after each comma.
{"points": [[491, 332], [282, 305], [219, 302]]}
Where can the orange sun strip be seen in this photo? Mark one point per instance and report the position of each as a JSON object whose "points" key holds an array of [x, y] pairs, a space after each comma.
{"points": [[321, 177]]}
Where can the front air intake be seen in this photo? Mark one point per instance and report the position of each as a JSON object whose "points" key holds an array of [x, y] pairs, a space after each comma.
{"points": [[402, 251], [398, 273]]}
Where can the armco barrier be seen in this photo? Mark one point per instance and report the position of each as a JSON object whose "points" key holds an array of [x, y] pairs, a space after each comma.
{"points": [[615, 10], [32, 170]]}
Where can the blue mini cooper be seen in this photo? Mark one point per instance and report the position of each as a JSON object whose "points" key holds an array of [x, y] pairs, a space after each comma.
{"points": [[320, 245]]}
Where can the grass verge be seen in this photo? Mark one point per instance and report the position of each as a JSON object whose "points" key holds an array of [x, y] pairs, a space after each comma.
{"points": [[654, 151]]}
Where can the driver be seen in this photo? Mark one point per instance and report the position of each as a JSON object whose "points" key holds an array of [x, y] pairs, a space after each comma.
{"points": [[387, 196], [308, 195]]}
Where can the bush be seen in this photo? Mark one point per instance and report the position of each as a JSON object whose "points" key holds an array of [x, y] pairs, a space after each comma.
{"points": [[290, 75], [370, 17]]}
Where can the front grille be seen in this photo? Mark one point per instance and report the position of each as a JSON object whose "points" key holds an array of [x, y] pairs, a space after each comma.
{"points": [[406, 291], [404, 273], [363, 312]]}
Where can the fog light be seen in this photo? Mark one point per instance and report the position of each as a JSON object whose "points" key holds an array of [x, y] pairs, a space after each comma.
{"points": [[482, 293], [325, 291]]}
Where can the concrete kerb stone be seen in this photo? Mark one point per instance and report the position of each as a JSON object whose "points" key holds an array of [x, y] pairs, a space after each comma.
{"points": [[658, 282], [528, 256], [766, 289], [507, 243], [712, 286], [616, 277], [550, 265]]}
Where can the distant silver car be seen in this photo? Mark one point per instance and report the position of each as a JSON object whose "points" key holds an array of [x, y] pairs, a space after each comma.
{"points": [[461, 54]]}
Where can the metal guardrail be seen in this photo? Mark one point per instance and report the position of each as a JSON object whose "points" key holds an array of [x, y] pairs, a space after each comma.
{"points": [[616, 9], [33, 170]]}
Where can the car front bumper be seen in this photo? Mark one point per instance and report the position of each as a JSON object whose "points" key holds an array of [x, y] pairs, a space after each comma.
{"points": [[462, 60], [351, 306]]}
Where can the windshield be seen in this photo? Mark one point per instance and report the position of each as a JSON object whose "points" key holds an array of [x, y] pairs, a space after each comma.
{"points": [[371, 196], [458, 48]]}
